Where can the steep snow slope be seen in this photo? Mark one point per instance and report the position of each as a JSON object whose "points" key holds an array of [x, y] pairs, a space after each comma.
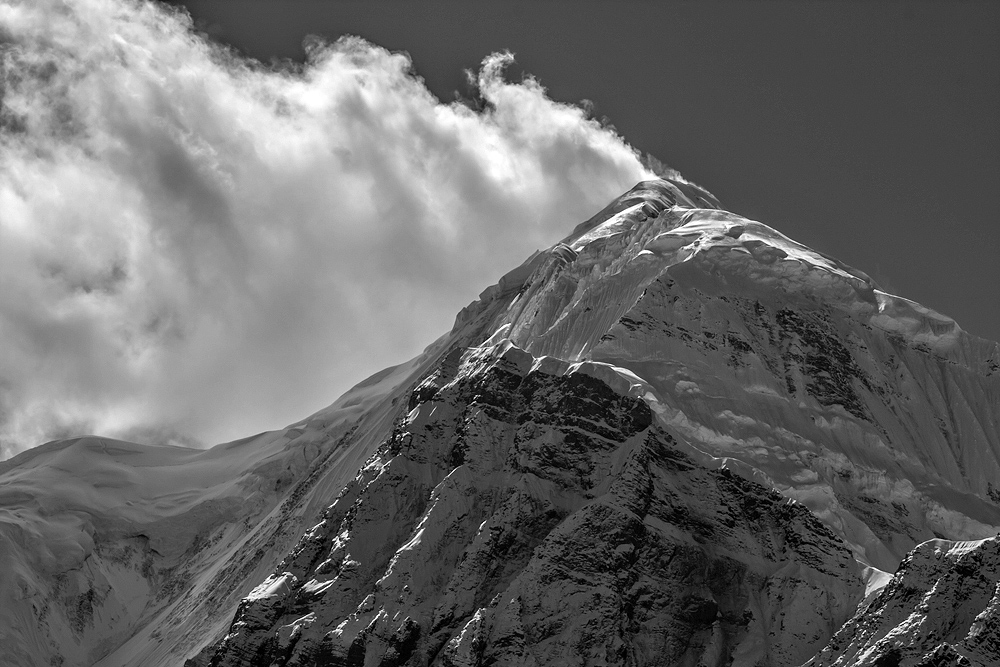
{"points": [[98, 536], [878, 414], [755, 355]]}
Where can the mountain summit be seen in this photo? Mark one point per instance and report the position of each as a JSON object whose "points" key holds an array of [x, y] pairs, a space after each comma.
{"points": [[677, 437]]}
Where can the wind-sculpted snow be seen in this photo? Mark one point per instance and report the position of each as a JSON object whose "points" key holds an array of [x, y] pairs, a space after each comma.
{"points": [[525, 512]]}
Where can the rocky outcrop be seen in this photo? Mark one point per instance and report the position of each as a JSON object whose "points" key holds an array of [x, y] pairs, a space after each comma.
{"points": [[941, 609], [524, 512]]}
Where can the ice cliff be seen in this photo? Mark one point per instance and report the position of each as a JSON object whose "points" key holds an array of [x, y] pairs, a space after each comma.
{"points": [[675, 438]]}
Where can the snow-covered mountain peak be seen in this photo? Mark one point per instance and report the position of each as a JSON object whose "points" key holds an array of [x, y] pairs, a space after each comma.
{"points": [[772, 358], [567, 297], [701, 433]]}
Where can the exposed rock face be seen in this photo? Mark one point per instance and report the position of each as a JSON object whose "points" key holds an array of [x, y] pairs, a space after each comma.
{"points": [[941, 609], [526, 513]]}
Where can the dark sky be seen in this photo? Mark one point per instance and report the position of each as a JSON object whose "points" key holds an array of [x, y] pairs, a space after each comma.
{"points": [[868, 131]]}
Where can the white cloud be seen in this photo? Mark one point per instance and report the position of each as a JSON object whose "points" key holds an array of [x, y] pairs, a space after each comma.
{"points": [[197, 247]]}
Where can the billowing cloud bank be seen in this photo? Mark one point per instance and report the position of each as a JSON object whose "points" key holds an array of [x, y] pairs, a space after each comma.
{"points": [[195, 248]]}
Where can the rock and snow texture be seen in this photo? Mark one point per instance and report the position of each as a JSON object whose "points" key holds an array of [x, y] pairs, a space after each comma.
{"points": [[941, 609], [526, 513], [676, 437], [878, 414]]}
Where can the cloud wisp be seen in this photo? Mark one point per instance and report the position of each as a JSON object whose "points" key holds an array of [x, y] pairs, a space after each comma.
{"points": [[195, 247]]}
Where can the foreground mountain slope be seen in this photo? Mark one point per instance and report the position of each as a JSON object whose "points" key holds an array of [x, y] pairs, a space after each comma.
{"points": [[527, 513], [514, 515]]}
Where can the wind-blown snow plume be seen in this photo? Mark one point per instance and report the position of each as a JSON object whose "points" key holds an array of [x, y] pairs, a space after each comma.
{"points": [[196, 247]]}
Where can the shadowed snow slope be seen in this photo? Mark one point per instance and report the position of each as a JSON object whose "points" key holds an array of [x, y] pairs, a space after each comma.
{"points": [[676, 437], [99, 537]]}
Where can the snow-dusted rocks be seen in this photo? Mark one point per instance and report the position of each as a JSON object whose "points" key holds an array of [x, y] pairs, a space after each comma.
{"points": [[524, 512], [941, 609]]}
